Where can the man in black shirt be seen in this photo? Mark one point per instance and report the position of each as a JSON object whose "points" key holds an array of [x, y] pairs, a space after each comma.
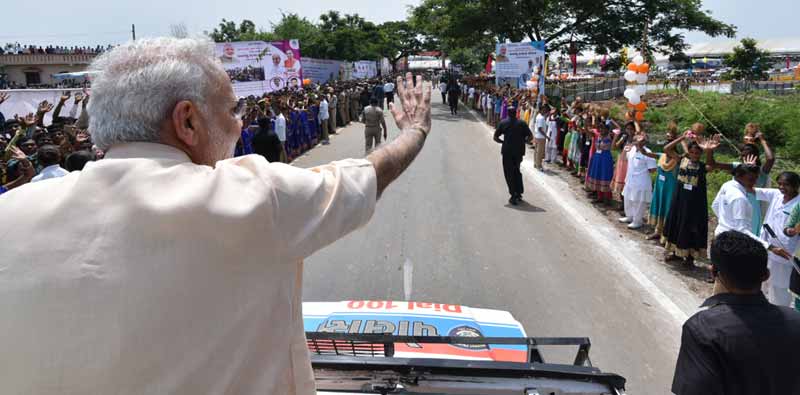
{"points": [[741, 344], [515, 134]]}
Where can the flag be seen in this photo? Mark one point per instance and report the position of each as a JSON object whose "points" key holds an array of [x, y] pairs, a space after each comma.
{"points": [[590, 62], [488, 67], [788, 63], [573, 57], [705, 60], [694, 61], [603, 61]]}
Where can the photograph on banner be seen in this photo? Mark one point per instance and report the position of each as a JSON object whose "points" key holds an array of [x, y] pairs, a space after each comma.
{"points": [[516, 63], [256, 67], [365, 69], [321, 71]]}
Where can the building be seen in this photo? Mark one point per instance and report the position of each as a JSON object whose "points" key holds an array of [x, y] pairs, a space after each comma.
{"points": [[36, 70]]}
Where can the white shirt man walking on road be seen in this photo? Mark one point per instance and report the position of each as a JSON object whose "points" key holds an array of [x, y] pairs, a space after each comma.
{"points": [[388, 90], [170, 267]]}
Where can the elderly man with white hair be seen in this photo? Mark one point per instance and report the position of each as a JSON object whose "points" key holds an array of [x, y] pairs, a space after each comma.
{"points": [[169, 267]]}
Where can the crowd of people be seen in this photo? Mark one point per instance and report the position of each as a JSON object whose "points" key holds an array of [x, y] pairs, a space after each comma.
{"points": [[280, 125], [666, 190], [18, 49]]}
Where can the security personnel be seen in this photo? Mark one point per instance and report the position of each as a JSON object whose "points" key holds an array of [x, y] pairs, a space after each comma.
{"points": [[515, 133]]}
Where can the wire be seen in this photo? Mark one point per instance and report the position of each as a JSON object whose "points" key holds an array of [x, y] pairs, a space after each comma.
{"points": [[62, 35], [727, 140]]}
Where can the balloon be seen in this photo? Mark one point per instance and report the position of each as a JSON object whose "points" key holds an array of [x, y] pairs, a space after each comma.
{"points": [[644, 68], [632, 67], [629, 93], [641, 107], [638, 59], [530, 84], [630, 76], [635, 100], [631, 106], [640, 116], [641, 78], [640, 89]]}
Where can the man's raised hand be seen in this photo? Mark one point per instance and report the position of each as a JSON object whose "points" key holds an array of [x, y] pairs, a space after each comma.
{"points": [[415, 111]]}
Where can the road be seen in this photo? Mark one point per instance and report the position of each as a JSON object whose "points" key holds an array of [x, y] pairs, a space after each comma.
{"points": [[542, 261]]}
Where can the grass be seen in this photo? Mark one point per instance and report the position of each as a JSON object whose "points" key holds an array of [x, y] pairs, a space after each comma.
{"points": [[778, 116]]}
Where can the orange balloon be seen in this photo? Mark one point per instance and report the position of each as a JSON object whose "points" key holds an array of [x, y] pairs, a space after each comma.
{"points": [[643, 68], [641, 106], [633, 67], [630, 105], [639, 116]]}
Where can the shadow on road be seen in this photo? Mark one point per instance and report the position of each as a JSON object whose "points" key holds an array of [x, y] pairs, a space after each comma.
{"points": [[526, 207]]}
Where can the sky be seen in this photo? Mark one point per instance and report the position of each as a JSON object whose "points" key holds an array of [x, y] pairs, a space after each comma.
{"points": [[93, 22]]}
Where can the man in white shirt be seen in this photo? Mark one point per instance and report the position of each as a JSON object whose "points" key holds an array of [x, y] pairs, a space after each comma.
{"points": [[733, 209], [540, 136], [472, 97], [781, 202], [388, 90], [443, 91], [169, 267], [280, 131], [323, 119], [50, 158]]}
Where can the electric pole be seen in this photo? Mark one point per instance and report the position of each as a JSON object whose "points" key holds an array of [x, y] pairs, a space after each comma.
{"points": [[133, 32]]}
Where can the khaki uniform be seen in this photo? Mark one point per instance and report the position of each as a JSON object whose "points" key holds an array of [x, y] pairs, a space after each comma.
{"points": [[373, 121]]}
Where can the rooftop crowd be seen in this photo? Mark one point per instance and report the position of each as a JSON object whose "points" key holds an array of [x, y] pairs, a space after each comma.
{"points": [[662, 192], [18, 49]]}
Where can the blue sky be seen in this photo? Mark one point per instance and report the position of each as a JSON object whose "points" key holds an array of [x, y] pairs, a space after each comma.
{"points": [[92, 22]]}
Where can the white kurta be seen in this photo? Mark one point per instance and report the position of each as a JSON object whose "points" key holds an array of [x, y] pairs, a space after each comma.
{"points": [[148, 274], [777, 213], [638, 184]]}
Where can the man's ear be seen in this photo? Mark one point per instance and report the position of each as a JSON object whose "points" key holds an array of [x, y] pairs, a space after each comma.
{"points": [[184, 122]]}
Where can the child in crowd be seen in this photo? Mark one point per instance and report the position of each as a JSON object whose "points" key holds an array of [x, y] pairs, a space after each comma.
{"points": [[686, 228], [624, 141], [665, 186], [638, 189], [601, 168]]}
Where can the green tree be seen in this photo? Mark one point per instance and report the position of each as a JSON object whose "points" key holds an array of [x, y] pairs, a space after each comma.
{"points": [[748, 62], [293, 26], [399, 39], [605, 26], [227, 31]]}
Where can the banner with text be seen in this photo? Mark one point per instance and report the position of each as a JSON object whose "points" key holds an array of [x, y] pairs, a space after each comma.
{"points": [[256, 67], [321, 70], [516, 63], [365, 69]]}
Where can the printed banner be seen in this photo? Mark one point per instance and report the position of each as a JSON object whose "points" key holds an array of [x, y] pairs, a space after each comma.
{"points": [[365, 69], [516, 63], [321, 71], [256, 67]]}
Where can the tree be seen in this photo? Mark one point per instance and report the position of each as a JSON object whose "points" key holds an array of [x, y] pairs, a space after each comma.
{"points": [[398, 39], [606, 26], [748, 62], [348, 37], [293, 26], [227, 31]]}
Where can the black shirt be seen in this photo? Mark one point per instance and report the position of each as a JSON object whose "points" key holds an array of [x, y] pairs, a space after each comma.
{"points": [[267, 144], [515, 133], [741, 345]]}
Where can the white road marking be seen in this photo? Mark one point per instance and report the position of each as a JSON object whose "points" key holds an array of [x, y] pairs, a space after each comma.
{"points": [[573, 210], [408, 275]]}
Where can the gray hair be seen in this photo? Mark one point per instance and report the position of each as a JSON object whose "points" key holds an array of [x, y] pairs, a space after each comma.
{"points": [[140, 82]]}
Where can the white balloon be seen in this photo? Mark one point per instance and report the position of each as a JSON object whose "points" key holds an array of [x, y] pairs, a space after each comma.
{"points": [[638, 60], [641, 78], [640, 89], [635, 99], [629, 93], [630, 76]]}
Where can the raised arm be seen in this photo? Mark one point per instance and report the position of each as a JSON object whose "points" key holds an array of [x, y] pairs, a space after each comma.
{"points": [[769, 156], [414, 121], [669, 149]]}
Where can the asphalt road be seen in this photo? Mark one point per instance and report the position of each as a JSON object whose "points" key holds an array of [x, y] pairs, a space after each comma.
{"points": [[558, 272]]}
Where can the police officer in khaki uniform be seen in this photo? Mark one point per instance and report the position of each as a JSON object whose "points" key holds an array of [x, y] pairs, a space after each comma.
{"points": [[373, 122]]}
